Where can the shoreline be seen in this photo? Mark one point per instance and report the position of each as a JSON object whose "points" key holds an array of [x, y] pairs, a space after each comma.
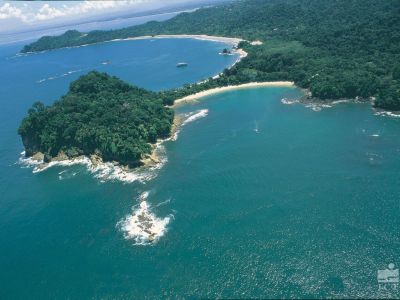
{"points": [[194, 97], [203, 37], [233, 42], [156, 158], [227, 40], [111, 170], [104, 171]]}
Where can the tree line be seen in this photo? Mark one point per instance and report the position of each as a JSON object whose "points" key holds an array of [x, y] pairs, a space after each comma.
{"points": [[101, 115], [336, 48]]}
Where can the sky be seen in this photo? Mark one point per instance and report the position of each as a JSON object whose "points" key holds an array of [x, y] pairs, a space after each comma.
{"points": [[17, 16]]}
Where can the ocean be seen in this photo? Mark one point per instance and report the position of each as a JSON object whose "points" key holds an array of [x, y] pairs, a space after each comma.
{"points": [[256, 198], [32, 35]]}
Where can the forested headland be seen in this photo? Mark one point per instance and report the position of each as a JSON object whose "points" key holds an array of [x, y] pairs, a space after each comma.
{"points": [[99, 115], [338, 49], [335, 48]]}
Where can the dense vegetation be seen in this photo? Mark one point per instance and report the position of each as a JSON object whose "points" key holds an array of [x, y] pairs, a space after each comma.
{"points": [[336, 48], [99, 115]]}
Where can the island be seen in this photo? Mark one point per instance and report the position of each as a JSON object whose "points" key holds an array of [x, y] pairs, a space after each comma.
{"points": [[100, 117], [333, 49], [226, 52]]}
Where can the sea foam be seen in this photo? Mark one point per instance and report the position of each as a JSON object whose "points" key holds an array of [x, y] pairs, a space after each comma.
{"points": [[195, 116], [387, 114], [187, 118], [143, 226], [317, 106], [107, 171], [287, 101]]}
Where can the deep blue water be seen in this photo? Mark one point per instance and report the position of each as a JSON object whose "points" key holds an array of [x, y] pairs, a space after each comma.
{"points": [[306, 207]]}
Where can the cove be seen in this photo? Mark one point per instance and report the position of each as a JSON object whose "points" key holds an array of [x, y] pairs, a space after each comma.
{"points": [[307, 205]]}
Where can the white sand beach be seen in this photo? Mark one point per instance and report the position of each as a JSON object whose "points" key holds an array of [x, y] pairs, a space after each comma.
{"points": [[206, 93], [228, 40]]}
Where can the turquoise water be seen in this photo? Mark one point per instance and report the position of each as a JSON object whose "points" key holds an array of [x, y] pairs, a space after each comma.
{"points": [[306, 206]]}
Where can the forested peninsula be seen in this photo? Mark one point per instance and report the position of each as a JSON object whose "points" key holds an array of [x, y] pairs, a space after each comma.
{"points": [[100, 115], [338, 49]]}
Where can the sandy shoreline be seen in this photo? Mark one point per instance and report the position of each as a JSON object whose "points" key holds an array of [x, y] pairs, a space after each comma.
{"points": [[153, 160], [210, 92], [233, 42], [227, 40]]}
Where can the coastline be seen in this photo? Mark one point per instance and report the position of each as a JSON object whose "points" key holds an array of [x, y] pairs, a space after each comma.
{"points": [[204, 37], [242, 54], [227, 40], [233, 42], [194, 97], [103, 170], [155, 159]]}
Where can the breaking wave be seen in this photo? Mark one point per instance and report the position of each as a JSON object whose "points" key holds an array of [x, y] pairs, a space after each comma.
{"points": [[143, 226], [317, 106], [387, 114], [28, 162], [104, 171], [195, 116], [187, 118], [107, 171], [287, 101], [66, 174]]}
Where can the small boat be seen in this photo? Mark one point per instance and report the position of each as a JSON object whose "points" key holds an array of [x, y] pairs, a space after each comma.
{"points": [[256, 128], [106, 62], [182, 64]]}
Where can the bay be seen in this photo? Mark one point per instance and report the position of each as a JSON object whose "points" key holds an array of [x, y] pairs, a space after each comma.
{"points": [[263, 199]]}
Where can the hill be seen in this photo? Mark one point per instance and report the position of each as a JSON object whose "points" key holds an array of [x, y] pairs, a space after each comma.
{"points": [[99, 115]]}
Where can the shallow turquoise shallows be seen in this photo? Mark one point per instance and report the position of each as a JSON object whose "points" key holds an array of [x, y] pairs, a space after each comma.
{"points": [[264, 200]]}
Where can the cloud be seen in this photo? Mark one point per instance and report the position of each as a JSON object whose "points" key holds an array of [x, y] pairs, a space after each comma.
{"points": [[47, 12], [8, 11], [33, 14]]}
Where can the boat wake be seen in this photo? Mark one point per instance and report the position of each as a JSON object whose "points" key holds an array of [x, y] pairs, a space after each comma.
{"points": [[143, 226], [66, 174], [58, 76]]}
